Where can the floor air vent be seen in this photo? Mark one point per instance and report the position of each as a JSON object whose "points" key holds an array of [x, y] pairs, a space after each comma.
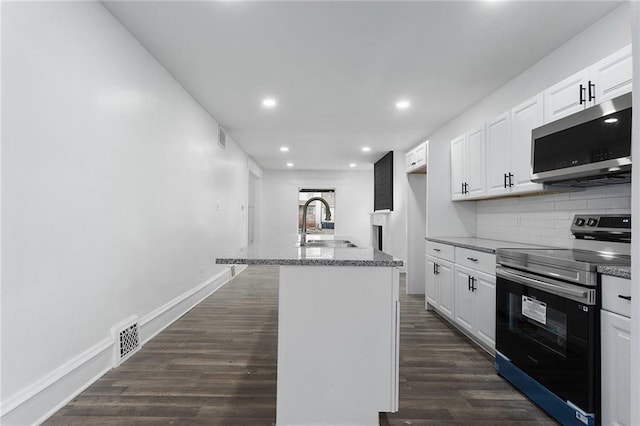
{"points": [[127, 340]]}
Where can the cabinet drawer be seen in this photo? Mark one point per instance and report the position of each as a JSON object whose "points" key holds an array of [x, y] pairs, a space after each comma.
{"points": [[478, 260], [441, 251], [612, 289]]}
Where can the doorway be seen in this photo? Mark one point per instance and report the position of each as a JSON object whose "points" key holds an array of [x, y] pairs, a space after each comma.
{"points": [[316, 211]]}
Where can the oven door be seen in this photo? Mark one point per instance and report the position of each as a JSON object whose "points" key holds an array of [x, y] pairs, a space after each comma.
{"points": [[547, 329]]}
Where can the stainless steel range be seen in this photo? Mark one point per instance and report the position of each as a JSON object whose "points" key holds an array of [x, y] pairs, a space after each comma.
{"points": [[547, 319]]}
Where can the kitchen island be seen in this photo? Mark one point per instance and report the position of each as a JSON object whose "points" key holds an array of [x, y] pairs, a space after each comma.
{"points": [[338, 332]]}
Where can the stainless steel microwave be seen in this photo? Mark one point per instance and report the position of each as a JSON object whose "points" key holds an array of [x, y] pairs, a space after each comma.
{"points": [[589, 148]]}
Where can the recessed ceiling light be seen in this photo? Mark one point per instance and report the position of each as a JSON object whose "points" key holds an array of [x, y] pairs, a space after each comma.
{"points": [[366, 149], [352, 165], [269, 102], [611, 120], [289, 164], [284, 148], [403, 104]]}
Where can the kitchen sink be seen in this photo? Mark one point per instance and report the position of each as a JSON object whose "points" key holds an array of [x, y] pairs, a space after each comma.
{"points": [[328, 243]]}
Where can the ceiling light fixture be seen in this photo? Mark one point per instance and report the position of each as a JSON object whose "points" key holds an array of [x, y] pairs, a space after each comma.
{"points": [[403, 104], [352, 165], [366, 149], [611, 120], [289, 164], [269, 102], [284, 148]]}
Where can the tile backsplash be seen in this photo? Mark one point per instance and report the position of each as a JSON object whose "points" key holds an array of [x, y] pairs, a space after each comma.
{"points": [[546, 219]]}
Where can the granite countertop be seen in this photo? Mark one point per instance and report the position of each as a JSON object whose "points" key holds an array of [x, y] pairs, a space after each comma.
{"points": [[616, 271], [479, 244], [288, 253]]}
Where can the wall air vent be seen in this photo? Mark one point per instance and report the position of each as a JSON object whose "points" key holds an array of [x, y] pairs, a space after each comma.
{"points": [[127, 340], [222, 137]]}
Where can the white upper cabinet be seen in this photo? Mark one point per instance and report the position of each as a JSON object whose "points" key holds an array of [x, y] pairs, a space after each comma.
{"points": [[499, 153], [524, 118], [476, 172], [458, 165], [494, 160], [604, 80], [417, 159], [613, 75], [509, 149], [468, 171], [566, 97]]}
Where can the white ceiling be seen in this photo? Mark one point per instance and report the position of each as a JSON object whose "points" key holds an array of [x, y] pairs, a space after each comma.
{"points": [[337, 68]]}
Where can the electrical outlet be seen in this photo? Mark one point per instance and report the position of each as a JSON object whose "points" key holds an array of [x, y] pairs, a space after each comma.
{"points": [[518, 220], [218, 206]]}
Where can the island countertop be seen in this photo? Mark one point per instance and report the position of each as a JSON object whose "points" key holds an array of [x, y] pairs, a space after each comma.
{"points": [[288, 253]]}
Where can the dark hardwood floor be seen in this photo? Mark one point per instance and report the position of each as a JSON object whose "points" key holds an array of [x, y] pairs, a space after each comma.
{"points": [[217, 366]]}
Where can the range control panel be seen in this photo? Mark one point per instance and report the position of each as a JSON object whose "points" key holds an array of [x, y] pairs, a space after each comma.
{"points": [[608, 227]]}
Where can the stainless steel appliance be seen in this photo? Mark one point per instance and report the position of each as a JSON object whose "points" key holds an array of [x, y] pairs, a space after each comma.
{"points": [[547, 318], [589, 148]]}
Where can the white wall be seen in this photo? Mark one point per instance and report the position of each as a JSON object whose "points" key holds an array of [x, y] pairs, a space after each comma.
{"points": [[398, 217], [445, 218], [416, 231], [116, 198], [354, 202]]}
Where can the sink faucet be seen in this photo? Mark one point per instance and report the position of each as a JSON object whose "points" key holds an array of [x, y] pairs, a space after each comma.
{"points": [[303, 236]]}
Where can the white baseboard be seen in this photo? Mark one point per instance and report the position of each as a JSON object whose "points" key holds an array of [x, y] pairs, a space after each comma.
{"points": [[36, 403]]}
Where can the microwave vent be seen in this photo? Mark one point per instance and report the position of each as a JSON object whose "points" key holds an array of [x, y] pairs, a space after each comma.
{"points": [[593, 181]]}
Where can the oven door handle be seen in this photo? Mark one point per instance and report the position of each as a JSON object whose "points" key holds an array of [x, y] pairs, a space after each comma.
{"points": [[560, 289]]}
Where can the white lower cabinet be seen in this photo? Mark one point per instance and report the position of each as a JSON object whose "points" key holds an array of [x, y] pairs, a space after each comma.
{"points": [[616, 351], [439, 285], [461, 286], [475, 304]]}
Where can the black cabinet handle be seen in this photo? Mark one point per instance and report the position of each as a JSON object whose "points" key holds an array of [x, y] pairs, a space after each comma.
{"points": [[624, 297], [473, 259], [505, 180], [469, 282], [592, 96], [436, 250], [434, 269], [437, 269], [473, 283], [462, 184], [510, 183], [582, 90]]}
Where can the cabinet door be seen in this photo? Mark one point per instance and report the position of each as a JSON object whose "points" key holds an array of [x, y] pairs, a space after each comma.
{"points": [[476, 163], [431, 289], [420, 155], [485, 303], [612, 76], [446, 289], [616, 363], [524, 118], [463, 308], [566, 97], [458, 164], [499, 154], [411, 160]]}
